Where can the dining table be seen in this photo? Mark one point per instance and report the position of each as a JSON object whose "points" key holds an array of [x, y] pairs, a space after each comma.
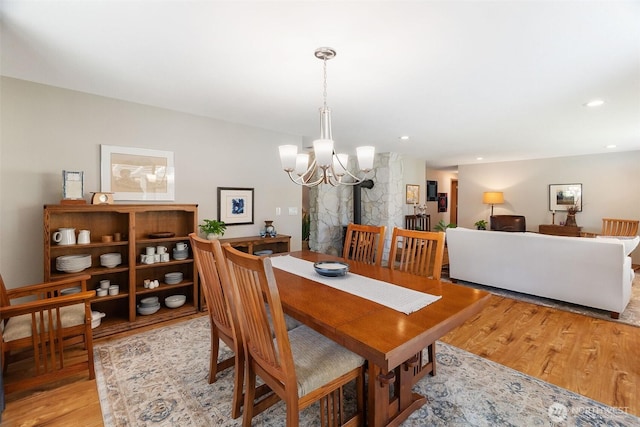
{"points": [[391, 341]]}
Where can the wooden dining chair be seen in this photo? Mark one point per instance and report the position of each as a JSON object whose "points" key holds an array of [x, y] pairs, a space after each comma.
{"points": [[364, 243], [39, 322], [619, 227], [417, 252], [301, 366], [212, 269]]}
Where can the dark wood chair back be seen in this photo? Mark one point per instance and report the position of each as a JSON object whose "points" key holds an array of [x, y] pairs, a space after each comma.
{"points": [[417, 252], [364, 243], [256, 298]]}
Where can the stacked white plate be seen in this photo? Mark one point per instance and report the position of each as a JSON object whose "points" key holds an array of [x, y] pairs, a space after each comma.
{"points": [[111, 260], [73, 263], [148, 306], [179, 255], [173, 278]]}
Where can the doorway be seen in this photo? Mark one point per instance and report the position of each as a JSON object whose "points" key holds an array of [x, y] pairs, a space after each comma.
{"points": [[454, 202]]}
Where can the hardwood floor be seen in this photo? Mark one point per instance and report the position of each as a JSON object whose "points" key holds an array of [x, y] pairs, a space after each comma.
{"points": [[592, 357]]}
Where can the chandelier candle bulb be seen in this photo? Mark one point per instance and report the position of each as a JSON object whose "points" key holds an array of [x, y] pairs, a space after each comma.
{"points": [[365, 157], [288, 155]]}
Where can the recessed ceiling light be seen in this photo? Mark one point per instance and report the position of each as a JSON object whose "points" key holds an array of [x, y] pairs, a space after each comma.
{"points": [[479, 158], [404, 137], [610, 146], [594, 103]]}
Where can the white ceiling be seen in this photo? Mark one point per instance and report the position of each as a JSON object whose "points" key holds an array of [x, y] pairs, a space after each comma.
{"points": [[504, 80]]}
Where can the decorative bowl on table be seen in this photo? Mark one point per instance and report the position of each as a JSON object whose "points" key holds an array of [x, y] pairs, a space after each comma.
{"points": [[331, 268], [175, 301]]}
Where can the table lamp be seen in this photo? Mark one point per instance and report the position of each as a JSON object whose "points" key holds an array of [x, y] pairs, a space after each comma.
{"points": [[493, 198]]}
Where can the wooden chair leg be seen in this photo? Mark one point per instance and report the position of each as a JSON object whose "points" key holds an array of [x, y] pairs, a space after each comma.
{"points": [[431, 350]]}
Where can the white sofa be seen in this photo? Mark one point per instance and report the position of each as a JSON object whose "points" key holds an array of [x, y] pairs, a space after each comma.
{"points": [[590, 272]]}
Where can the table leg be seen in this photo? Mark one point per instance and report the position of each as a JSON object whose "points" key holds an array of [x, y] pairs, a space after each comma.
{"points": [[385, 410]]}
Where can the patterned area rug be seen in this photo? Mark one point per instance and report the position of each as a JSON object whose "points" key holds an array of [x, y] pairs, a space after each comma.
{"points": [[630, 316], [159, 378]]}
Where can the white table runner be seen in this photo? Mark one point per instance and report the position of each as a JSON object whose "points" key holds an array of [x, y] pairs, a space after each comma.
{"points": [[396, 297]]}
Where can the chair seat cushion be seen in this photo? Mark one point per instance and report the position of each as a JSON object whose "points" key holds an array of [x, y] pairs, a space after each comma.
{"points": [[318, 360], [20, 326]]}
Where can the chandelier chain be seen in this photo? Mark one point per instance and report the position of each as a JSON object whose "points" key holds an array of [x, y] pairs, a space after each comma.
{"points": [[324, 92]]}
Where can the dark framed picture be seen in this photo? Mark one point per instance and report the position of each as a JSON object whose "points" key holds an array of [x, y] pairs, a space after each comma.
{"points": [[235, 205], [564, 196], [413, 194], [432, 191], [442, 202]]}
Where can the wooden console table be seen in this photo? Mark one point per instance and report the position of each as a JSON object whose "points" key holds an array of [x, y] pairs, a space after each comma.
{"points": [[251, 244], [559, 230]]}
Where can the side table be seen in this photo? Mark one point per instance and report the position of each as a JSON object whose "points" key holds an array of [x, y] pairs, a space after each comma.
{"points": [[559, 230]]}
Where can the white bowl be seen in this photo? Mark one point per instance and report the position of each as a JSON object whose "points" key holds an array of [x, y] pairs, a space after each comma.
{"points": [[149, 301], [144, 310], [102, 292], [175, 301]]}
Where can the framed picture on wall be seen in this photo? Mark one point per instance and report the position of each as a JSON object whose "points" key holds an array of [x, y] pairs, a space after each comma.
{"points": [[235, 205], [432, 191], [137, 173], [442, 202], [564, 196], [413, 194]]}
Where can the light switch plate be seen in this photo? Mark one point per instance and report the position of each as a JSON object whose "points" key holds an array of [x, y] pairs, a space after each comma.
{"points": [[293, 211]]}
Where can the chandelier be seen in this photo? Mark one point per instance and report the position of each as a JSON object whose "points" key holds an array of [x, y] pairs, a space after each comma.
{"points": [[332, 167]]}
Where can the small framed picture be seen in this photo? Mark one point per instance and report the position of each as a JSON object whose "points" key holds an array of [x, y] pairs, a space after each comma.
{"points": [[565, 196], [72, 185], [413, 194], [235, 205]]}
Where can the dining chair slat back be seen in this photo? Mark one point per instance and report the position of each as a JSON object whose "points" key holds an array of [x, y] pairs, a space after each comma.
{"points": [[364, 243], [224, 322], [417, 252], [301, 366], [619, 227]]}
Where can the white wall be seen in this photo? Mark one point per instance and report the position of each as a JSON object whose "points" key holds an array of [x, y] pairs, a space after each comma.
{"points": [[45, 130], [609, 189]]}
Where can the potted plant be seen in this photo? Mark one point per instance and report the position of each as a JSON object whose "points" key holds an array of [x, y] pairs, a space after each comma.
{"points": [[306, 230], [213, 228], [442, 226], [481, 225]]}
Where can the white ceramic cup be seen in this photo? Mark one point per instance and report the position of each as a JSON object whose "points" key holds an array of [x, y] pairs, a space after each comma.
{"points": [[102, 292], [65, 236], [84, 237], [161, 250], [104, 284], [156, 258], [150, 250], [164, 258], [114, 290], [181, 246]]}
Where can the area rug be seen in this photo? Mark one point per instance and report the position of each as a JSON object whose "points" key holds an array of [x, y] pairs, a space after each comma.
{"points": [[630, 316], [159, 378]]}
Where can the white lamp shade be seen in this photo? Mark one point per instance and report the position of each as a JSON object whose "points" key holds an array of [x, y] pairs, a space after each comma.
{"points": [[323, 149], [365, 157], [340, 164], [302, 163], [288, 154]]}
